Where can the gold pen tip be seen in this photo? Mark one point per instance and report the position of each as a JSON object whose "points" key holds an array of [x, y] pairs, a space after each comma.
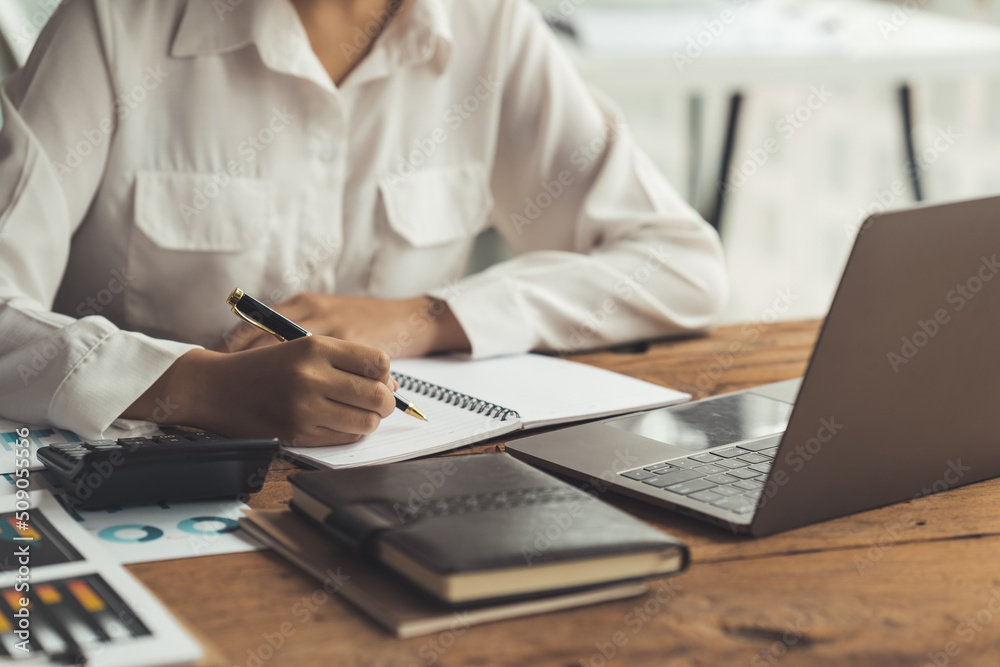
{"points": [[413, 411]]}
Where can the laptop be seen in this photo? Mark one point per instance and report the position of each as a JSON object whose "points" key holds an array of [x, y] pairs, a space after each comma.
{"points": [[900, 398]]}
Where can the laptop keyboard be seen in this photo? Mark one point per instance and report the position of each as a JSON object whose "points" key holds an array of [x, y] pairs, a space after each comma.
{"points": [[730, 478]]}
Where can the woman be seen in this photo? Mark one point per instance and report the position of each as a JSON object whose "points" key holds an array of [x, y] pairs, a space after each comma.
{"points": [[336, 158]]}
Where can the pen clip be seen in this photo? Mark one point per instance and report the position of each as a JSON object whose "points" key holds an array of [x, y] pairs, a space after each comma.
{"points": [[259, 325]]}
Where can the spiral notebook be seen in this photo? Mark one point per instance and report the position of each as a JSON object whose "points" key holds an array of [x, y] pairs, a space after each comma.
{"points": [[471, 401]]}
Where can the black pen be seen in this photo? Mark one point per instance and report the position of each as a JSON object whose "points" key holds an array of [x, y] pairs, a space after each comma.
{"points": [[254, 312]]}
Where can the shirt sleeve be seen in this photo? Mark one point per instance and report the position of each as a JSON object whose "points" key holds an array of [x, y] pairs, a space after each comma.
{"points": [[78, 374], [607, 251]]}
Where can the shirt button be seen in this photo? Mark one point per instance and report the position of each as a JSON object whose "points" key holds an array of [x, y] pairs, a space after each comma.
{"points": [[326, 153]]}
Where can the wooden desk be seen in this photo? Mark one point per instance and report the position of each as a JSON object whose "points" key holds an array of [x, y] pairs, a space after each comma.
{"points": [[887, 587]]}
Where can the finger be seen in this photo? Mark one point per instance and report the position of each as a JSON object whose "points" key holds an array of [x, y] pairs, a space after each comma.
{"points": [[239, 338], [230, 341], [360, 392], [298, 309], [364, 360], [331, 327], [246, 343], [347, 419], [265, 340], [319, 326]]}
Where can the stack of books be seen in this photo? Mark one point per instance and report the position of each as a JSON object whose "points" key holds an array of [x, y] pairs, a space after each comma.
{"points": [[486, 535]]}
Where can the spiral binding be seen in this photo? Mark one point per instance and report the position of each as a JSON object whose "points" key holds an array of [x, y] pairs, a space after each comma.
{"points": [[452, 397]]}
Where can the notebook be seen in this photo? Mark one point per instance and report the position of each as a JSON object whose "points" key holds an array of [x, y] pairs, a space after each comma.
{"points": [[470, 532], [469, 401], [394, 603]]}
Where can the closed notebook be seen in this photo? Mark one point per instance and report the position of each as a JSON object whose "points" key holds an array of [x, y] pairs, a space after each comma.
{"points": [[471, 401], [483, 527], [396, 604]]}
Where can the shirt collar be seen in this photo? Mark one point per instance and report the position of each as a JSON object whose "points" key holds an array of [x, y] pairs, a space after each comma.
{"points": [[420, 33], [209, 28]]}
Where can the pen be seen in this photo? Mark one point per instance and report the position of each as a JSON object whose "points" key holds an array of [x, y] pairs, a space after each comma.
{"points": [[256, 313]]}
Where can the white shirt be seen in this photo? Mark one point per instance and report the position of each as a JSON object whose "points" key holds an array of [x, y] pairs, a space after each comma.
{"points": [[155, 155]]}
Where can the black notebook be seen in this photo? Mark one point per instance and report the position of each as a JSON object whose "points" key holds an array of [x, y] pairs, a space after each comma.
{"points": [[470, 401], [483, 528], [397, 605]]}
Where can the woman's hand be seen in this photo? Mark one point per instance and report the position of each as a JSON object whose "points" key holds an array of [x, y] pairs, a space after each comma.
{"points": [[308, 392], [402, 327]]}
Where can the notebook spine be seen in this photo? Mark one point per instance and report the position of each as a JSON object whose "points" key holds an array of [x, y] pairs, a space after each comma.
{"points": [[471, 403]]}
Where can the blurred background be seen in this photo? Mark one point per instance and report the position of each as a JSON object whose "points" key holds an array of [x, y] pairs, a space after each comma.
{"points": [[788, 224], [799, 110]]}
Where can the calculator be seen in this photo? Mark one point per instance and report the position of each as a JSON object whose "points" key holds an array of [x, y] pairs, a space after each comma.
{"points": [[160, 468]]}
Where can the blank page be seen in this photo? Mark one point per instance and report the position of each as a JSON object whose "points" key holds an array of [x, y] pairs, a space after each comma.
{"points": [[401, 437], [544, 390]]}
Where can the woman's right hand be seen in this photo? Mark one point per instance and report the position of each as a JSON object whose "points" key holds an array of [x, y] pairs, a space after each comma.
{"points": [[308, 392]]}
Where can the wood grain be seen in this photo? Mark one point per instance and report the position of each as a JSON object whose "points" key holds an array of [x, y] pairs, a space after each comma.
{"points": [[893, 586]]}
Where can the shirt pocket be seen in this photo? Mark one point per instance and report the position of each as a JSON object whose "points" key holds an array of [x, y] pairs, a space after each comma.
{"points": [[433, 217], [195, 238]]}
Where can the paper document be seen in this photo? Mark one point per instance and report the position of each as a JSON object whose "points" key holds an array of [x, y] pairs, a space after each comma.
{"points": [[471, 401], [83, 607]]}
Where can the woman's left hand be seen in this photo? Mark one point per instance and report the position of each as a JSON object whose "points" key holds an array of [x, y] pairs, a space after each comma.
{"points": [[401, 327]]}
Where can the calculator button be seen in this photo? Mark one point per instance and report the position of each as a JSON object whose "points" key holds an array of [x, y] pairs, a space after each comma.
{"points": [[135, 442], [169, 438]]}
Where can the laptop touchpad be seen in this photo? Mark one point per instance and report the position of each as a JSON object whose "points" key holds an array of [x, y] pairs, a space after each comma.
{"points": [[704, 424]]}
